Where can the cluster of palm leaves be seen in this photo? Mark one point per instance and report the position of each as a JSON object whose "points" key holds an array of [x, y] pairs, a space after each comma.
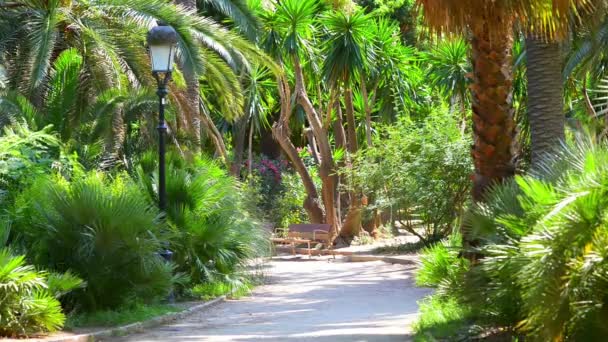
{"points": [[29, 298], [101, 229], [543, 242], [212, 234], [78, 65]]}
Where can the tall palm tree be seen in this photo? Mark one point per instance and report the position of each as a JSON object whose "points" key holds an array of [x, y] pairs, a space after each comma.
{"points": [[344, 61], [491, 32], [109, 35]]}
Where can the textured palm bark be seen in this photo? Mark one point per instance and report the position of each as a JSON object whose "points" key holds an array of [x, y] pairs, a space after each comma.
{"points": [[491, 90], [282, 134], [545, 97], [193, 90]]}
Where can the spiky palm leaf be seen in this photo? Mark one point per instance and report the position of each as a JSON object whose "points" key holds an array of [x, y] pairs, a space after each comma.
{"points": [[544, 270]]}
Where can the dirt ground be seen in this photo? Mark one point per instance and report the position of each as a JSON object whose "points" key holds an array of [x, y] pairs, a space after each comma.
{"points": [[321, 300]]}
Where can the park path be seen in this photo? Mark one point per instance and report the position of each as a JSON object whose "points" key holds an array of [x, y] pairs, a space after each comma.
{"points": [[318, 300]]}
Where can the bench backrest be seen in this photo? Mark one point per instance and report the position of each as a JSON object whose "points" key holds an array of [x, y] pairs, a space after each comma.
{"points": [[313, 231]]}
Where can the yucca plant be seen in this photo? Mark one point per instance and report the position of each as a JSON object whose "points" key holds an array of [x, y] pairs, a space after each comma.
{"points": [[544, 270], [103, 230], [212, 235]]}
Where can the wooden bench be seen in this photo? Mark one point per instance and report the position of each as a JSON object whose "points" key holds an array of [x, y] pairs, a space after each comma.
{"points": [[306, 233]]}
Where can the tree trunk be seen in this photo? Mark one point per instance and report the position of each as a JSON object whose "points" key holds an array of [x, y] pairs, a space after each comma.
{"points": [[327, 167], [281, 133], [250, 149], [352, 222], [368, 112], [193, 90], [312, 144], [545, 97], [491, 90], [351, 128], [238, 132], [214, 133]]}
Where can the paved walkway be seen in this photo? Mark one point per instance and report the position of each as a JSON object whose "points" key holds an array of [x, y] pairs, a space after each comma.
{"points": [[305, 300]]}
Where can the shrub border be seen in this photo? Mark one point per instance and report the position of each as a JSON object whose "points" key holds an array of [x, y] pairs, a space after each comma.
{"points": [[137, 327]]}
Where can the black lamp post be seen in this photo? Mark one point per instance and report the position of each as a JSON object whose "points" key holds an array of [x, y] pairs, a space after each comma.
{"points": [[162, 40]]}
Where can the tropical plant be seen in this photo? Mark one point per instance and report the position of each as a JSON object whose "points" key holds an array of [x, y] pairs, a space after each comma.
{"points": [[212, 234], [449, 66], [109, 36], [491, 27], [24, 155], [101, 229], [29, 298], [543, 242], [442, 267]]}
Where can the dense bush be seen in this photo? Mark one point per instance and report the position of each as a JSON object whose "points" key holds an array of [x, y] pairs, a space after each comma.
{"points": [[212, 233], [419, 172], [543, 269], [29, 298], [102, 229], [276, 192], [24, 154]]}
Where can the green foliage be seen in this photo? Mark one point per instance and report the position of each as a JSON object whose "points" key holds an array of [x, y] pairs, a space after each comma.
{"points": [[212, 290], [448, 68], [544, 246], [103, 230], [29, 298], [212, 232], [419, 171], [130, 313], [440, 318], [441, 266], [24, 155], [276, 192]]}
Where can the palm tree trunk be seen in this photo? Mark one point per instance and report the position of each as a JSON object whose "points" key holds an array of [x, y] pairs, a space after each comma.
{"points": [[545, 97], [193, 90], [491, 90]]}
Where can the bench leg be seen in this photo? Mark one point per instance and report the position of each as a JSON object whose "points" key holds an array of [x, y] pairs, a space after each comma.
{"points": [[293, 248], [309, 251]]}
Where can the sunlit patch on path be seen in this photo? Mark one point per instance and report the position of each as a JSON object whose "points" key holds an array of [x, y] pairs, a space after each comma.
{"points": [[310, 301]]}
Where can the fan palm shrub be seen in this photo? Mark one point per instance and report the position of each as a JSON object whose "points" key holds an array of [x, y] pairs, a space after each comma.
{"points": [[544, 270], [29, 298], [103, 230], [213, 235]]}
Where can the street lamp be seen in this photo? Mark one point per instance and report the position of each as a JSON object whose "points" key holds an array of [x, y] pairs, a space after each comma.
{"points": [[162, 41]]}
